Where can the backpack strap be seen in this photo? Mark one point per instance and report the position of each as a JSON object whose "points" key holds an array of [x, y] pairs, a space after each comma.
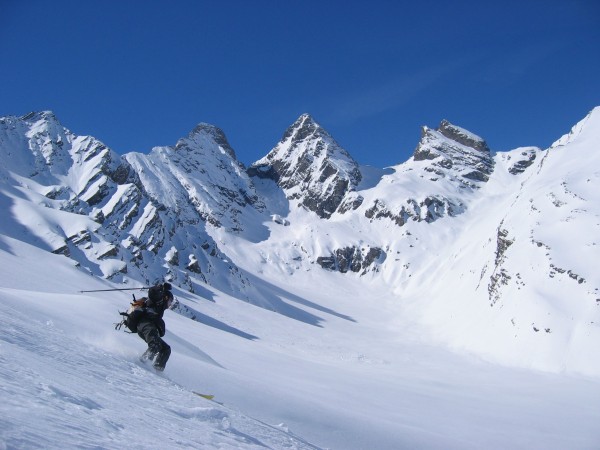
{"points": [[120, 324]]}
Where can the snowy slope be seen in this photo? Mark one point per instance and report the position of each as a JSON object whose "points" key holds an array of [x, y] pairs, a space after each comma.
{"points": [[500, 263], [206, 167], [523, 277], [70, 381], [447, 302], [358, 376], [138, 216]]}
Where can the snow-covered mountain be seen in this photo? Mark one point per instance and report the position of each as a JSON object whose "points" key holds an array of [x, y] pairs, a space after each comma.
{"points": [[194, 214], [486, 253], [310, 167], [146, 215]]}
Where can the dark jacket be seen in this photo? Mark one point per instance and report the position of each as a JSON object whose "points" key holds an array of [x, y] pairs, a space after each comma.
{"points": [[156, 303], [155, 306]]}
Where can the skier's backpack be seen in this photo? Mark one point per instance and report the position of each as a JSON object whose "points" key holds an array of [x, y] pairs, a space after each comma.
{"points": [[132, 316]]}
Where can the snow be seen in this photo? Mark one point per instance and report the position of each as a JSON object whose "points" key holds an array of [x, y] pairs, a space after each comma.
{"points": [[360, 378], [417, 354], [147, 215]]}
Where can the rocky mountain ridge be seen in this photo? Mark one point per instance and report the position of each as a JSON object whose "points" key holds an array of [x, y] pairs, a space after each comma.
{"points": [[456, 217], [156, 207], [147, 213]]}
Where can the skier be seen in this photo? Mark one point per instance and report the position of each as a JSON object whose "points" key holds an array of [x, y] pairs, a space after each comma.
{"points": [[151, 326]]}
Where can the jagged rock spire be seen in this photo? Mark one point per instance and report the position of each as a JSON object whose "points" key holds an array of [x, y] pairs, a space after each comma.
{"points": [[456, 152], [310, 166]]}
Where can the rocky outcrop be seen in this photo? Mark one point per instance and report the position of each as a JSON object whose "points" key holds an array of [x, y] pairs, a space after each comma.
{"points": [[351, 202], [463, 136], [201, 171], [455, 153], [311, 168], [526, 158], [429, 210], [137, 212], [352, 259], [500, 275]]}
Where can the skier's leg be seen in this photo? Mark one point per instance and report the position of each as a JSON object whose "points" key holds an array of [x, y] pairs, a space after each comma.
{"points": [[162, 357], [148, 332]]}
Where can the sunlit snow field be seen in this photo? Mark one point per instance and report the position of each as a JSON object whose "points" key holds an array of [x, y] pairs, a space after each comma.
{"points": [[478, 331], [345, 370]]}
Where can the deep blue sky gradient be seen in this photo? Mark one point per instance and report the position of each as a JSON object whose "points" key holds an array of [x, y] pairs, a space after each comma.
{"points": [[138, 74]]}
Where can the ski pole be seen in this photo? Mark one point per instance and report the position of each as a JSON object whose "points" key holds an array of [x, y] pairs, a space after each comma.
{"points": [[123, 289]]}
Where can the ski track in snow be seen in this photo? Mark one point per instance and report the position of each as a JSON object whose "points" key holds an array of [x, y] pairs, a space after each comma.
{"points": [[60, 392], [65, 386]]}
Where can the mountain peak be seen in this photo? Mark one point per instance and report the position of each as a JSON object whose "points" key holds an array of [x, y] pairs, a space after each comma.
{"points": [[462, 136], [310, 166], [35, 116], [306, 117], [206, 129], [455, 151], [305, 120], [304, 128], [206, 132]]}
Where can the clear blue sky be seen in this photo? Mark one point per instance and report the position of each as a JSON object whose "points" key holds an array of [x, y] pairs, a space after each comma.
{"points": [[138, 74]]}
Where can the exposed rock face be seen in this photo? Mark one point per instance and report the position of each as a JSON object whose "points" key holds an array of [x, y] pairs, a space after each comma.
{"points": [[463, 136], [527, 157], [201, 171], [165, 212], [351, 202], [191, 212], [455, 153], [428, 210], [138, 212], [310, 167], [354, 259], [500, 275], [148, 211]]}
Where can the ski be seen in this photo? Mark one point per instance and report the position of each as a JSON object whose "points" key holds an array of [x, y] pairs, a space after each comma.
{"points": [[206, 396]]}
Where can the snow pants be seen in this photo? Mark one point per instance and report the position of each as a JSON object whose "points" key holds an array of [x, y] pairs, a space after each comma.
{"points": [[150, 333]]}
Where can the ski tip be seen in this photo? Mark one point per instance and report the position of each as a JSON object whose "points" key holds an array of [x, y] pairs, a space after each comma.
{"points": [[206, 396]]}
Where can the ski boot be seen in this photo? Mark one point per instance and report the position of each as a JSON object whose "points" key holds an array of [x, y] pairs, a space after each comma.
{"points": [[148, 355], [162, 358]]}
